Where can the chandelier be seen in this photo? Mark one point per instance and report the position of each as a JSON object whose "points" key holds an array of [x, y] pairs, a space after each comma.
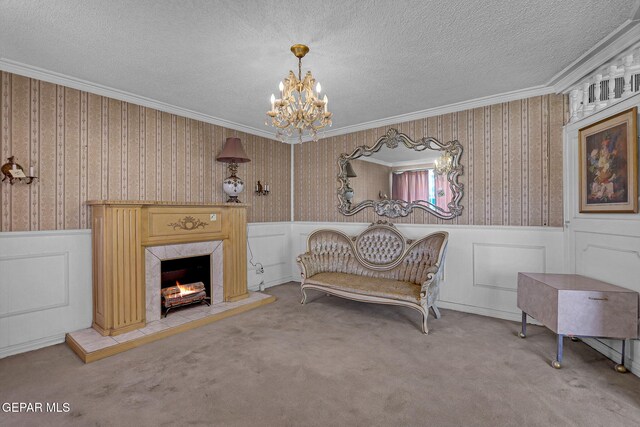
{"points": [[299, 108], [444, 163]]}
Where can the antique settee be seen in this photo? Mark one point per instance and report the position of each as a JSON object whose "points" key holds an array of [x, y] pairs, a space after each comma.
{"points": [[379, 265]]}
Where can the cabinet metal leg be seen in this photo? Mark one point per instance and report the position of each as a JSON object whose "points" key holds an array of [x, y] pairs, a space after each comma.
{"points": [[558, 362], [620, 367], [523, 333]]}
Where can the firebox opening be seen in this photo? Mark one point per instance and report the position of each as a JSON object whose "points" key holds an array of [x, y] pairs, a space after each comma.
{"points": [[185, 281]]}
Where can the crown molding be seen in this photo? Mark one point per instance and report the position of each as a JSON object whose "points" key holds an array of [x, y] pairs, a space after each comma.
{"points": [[98, 89], [413, 163], [401, 164], [376, 161], [26, 70], [620, 39], [437, 111]]}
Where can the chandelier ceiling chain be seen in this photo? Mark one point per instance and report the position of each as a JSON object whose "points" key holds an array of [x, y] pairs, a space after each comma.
{"points": [[299, 108]]}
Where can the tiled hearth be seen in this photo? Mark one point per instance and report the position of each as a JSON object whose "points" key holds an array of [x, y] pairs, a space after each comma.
{"points": [[95, 346]]}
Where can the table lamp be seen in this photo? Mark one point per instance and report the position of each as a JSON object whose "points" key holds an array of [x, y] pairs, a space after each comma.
{"points": [[233, 153]]}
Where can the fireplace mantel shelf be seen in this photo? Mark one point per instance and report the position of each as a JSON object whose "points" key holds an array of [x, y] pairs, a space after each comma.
{"points": [[162, 203]]}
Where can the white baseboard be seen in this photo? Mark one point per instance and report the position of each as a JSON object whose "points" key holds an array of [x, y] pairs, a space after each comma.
{"points": [[482, 311], [31, 345], [274, 282], [612, 354]]}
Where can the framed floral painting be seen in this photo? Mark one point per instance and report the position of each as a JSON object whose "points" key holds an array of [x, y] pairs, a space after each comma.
{"points": [[609, 164]]}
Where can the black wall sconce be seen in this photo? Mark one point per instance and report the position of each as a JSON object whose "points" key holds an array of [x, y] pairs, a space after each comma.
{"points": [[262, 190]]}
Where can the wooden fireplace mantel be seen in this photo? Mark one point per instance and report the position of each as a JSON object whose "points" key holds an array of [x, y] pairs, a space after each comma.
{"points": [[122, 229]]}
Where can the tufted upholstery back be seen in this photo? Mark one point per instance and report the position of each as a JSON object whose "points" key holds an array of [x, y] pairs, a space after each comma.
{"points": [[380, 246], [379, 251]]}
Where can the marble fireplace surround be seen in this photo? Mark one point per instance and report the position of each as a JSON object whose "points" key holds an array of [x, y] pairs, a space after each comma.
{"points": [[154, 256]]}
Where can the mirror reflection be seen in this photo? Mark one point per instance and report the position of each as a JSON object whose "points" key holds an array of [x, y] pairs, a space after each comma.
{"points": [[398, 174]]}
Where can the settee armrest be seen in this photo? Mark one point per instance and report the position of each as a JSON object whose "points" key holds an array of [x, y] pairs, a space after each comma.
{"points": [[306, 264], [430, 289]]}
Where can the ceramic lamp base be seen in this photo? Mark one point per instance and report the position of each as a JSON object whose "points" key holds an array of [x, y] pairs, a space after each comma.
{"points": [[233, 186]]}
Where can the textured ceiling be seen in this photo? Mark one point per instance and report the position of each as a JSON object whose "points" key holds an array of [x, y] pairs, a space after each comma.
{"points": [[375, 59]]}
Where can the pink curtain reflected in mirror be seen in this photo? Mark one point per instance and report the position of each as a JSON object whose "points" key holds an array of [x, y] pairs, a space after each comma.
{"points": [[443, 191], [425, 185], [410, 186]]}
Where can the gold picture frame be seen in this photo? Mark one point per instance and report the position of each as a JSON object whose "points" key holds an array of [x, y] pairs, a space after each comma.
{"points": [[608, 159]]}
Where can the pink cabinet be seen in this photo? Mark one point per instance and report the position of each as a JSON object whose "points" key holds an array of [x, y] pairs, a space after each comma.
{"points": [[574, 305]]}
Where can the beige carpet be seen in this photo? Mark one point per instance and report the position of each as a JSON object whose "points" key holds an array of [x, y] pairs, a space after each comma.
{"points": [[330, 362]]}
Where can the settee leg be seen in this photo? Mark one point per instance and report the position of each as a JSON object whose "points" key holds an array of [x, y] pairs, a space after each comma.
{"points": [[304, 296], [436, 312], [425, 329]]}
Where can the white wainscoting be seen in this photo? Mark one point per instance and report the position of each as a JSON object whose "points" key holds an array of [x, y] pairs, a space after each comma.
{"points": [[482, 262], [39, 305], [603, 246], [270, 244], [45, 288]]}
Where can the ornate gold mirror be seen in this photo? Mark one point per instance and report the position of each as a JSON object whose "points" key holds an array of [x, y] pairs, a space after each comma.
{"points": [[397, 175]]}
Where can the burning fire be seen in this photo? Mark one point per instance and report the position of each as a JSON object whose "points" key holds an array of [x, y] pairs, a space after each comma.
{"points": [[185, 289]]}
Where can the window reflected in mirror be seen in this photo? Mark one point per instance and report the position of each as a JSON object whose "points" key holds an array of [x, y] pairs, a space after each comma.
{"points": [[420, 185]]}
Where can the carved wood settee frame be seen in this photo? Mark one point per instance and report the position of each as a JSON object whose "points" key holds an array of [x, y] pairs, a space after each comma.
{"points": [[379, 266]]}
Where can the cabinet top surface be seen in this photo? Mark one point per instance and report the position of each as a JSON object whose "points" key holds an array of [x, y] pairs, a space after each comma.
{"points": [[574, 282], [161, 203]]}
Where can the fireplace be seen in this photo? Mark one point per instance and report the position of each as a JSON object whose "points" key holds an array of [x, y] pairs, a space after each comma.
{"points": [[130, 239], [189, 264], [184, 282]]}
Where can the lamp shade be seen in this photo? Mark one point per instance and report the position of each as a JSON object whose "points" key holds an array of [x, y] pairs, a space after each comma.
{"points": [[232, 152], [349, 170]]}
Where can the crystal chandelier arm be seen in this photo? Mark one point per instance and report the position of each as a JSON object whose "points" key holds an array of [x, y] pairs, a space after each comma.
{"points": [[282, 125]]}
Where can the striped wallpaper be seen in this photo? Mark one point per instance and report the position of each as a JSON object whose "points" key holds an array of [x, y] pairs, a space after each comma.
{"points": [[512, 165], [84, 146], [372, 178]]}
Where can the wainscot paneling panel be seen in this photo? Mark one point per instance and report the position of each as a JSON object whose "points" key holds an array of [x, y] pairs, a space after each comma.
{"points": [[45, 286], [22, 277], [512, 165], [270, 248], [85, 146], [496, 264]]}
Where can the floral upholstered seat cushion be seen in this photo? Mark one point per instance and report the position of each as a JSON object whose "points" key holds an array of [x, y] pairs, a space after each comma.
{"points": [[375, 286]]}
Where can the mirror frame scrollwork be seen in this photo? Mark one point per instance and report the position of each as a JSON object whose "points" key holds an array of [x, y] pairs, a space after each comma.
{"points": [[401, 208]]}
